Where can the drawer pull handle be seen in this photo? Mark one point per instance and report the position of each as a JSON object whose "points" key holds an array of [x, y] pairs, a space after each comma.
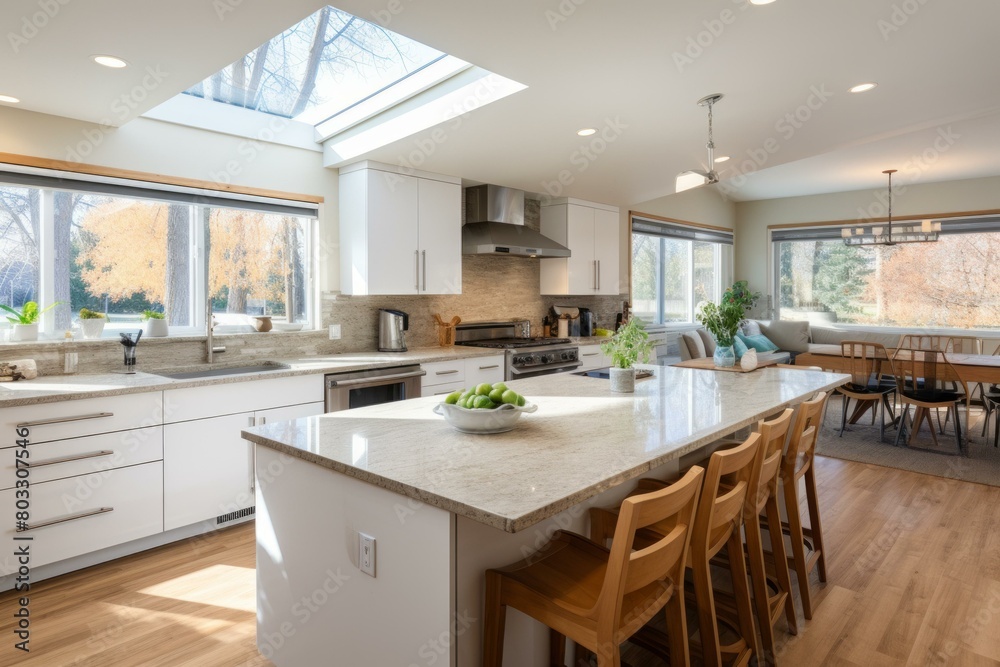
{"points": [[63, 420], [64, 519], [486, 368], [67, 459], [452, 372], [590, 354]]}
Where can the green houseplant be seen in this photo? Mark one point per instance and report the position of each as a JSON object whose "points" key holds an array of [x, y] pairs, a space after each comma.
{"points": [[25, 320], [92, 323], [154, 323], [629, 344], [722, 321]]}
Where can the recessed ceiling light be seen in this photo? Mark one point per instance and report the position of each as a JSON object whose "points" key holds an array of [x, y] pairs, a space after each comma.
{"points": [[761, 2], [863, 87], [722, 158], [7, 99], [587, 131], [110, 61]]}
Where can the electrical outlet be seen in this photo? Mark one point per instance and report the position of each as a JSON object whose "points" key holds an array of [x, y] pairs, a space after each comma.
{"points": [[366, 554], [334, 332]]}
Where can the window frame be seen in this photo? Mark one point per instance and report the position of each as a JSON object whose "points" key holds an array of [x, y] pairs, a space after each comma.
{"points": [[665, 228], [49, 180]]}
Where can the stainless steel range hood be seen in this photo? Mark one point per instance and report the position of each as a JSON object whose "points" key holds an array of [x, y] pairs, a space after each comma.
{"points": [[495, 225]]}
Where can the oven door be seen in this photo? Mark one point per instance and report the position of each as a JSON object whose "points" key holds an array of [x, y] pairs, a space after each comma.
{"points": [[522, 373], [345, 391]]}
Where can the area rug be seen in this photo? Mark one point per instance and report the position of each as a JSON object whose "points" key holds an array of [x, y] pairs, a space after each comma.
{"points": [[861, 443]]}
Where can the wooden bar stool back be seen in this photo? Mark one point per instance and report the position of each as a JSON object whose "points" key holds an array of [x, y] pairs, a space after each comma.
{"points": [[599, 597], [796, 465], [762, 505]]}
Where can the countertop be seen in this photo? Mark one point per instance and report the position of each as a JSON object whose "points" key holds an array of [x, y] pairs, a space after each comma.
{"points": [[53, 388], [582, 440]]}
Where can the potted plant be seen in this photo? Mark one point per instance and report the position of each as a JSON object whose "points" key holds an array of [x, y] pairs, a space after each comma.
{"points": [[92, 323], [741, 295], [629, 344], [722, 321], [25, 321], [154, 324]]}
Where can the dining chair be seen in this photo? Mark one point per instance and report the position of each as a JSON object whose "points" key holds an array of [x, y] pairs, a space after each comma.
{"points": [[991, 401], [921, 342], [807, 552], [599, 597], [872, 382], [964, 344], [921, 379], [717, 526]]}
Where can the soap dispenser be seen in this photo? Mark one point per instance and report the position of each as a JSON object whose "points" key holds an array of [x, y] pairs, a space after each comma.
{"points": [[71, 359]]}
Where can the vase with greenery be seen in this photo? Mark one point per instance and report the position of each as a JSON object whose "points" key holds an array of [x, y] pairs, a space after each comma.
{"points": [[629, 344], [25, 320], [92, 323], [154, 324], [722, 320]]}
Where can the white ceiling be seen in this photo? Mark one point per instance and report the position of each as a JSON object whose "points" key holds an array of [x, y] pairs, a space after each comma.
{"points": [[597, 64]]}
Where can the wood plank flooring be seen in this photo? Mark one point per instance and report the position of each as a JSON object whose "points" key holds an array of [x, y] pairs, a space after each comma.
{"points": [[914, 579]]}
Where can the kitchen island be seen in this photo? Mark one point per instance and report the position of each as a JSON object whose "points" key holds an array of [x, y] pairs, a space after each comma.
{"points": [[444, 506]]}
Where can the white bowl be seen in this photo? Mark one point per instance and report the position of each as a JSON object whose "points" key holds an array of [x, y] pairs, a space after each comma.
{"points": [[287, 326], [498, 420]]}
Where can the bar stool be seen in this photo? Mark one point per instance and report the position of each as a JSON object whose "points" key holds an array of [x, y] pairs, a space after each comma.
{"points": [[717, 526], [599, 597], [798, 464]]}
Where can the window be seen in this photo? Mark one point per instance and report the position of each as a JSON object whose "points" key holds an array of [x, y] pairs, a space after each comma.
{"points": [[123, 249], [676, 267], [949, 283]]}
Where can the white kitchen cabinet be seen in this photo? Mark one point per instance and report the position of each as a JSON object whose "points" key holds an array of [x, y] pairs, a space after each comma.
{"points": [[399, 233], [484, 369], [591, 357], [438, 373], [208, 469], [591, 232]]}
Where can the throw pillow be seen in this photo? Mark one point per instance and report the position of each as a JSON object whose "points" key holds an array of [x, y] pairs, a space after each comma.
{"points": [[761, 343], [739, 347], [695, 348], [750, 328], [707, 341]]}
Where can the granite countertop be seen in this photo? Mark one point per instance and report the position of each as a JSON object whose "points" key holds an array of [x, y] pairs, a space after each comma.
{"points": [[53, 388], [582, 440]]}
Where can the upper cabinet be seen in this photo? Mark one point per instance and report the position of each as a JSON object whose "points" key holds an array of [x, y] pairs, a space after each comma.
{"points": [[591, 232], [399, 233]]}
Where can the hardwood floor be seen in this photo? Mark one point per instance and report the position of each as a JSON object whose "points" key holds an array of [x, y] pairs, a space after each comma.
{"points": [[914, 579]]}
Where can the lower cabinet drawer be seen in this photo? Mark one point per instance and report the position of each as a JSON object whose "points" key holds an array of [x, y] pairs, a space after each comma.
{"points": [[442, 372], [73, 516], [81, 456], [442, 389]]}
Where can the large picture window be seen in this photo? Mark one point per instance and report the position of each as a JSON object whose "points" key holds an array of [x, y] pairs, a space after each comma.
{"points": [[676, 267], [945, 284], [121, 251]]}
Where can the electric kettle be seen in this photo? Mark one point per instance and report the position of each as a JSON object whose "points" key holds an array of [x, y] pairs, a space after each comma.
{"points": [[391, 325]]}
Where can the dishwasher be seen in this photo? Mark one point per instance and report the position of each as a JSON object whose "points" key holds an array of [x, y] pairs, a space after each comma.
{"points": [[357, 389]]}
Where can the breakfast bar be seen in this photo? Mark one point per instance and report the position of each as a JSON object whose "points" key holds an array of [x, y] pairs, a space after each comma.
{"points": [[443, 506]]}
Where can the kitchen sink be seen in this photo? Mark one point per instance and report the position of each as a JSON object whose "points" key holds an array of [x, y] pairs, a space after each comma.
{"points": [[222, 372]]}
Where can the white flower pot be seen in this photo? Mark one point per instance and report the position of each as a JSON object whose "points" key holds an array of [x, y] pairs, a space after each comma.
{"points": [[153, 328], [748, 361], [92, 328], [22, 332], [622, 380]]}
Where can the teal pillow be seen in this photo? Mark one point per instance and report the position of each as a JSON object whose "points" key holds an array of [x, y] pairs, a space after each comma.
{"points": [[760, 342], [739, 347]]}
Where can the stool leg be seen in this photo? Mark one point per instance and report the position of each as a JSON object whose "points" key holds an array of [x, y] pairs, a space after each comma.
{"points": [[677, 634], [761, 596], [798, 544], [781, 559], [493, 622], [812, 500], [557, 649], [705, 599], [741, 591]]}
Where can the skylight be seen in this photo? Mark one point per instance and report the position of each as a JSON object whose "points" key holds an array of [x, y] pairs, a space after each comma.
{"points": [[322, 66]]}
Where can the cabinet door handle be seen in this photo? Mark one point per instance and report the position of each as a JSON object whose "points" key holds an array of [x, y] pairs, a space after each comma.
{"points": [[451, 372], [416, 270], [589, 354], [595, 275], [64, 519], [598, 274], [424, 252], [67, 459], [486, 368], [252, 468], [62, 420]]}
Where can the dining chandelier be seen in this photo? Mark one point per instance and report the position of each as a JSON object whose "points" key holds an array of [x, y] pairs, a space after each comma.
{"points": [[889, 234]]}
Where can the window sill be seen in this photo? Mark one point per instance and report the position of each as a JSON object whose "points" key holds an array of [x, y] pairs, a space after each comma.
{"points": [[110, 337]]}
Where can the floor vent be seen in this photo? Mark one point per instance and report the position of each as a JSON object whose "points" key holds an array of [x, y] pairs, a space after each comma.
{"points": [[232, 516]]}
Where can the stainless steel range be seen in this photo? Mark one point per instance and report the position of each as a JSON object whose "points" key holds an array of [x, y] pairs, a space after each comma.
{"points": [[524, 356]]}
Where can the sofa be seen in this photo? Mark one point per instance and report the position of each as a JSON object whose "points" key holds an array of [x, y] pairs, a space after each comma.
{"points": [[791, 336]]}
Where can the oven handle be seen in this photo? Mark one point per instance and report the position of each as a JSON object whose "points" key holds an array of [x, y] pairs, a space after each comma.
{"points": [[383, 379], [547, 369]]}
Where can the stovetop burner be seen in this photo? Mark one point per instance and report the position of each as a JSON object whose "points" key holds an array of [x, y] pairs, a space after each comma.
{"points": [[514, 343]]}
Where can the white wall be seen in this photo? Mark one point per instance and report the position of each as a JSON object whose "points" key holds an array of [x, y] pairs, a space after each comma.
{"points": [[928, 199], [704, 205], [174, 150]]}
